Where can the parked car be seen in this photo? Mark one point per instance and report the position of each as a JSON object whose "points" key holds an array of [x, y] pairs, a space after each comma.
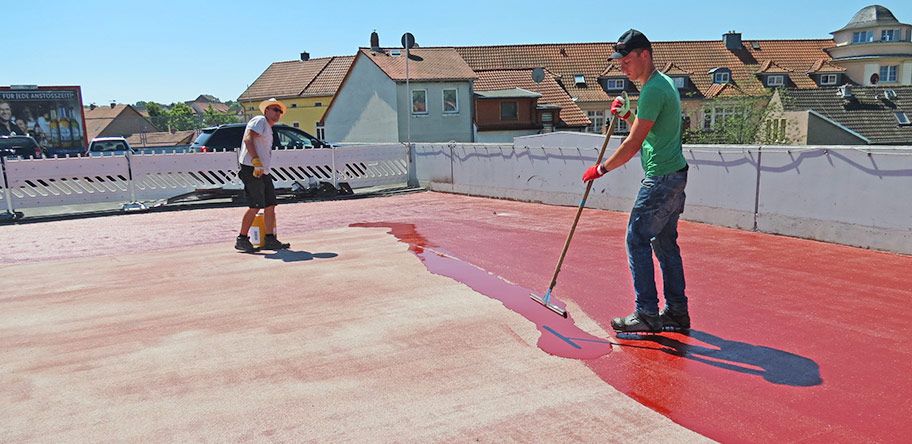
{"points": [[20, 146], [228, 138], [108, 146]]}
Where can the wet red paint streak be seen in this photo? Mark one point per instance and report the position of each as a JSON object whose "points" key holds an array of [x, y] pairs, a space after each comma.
{"points": [[559, 336]]}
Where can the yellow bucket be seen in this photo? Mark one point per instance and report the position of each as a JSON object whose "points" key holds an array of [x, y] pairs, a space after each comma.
{"points": [[258, 231]]}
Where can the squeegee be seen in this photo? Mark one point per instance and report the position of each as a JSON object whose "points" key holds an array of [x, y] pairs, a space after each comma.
{"points": [[546, 299]]}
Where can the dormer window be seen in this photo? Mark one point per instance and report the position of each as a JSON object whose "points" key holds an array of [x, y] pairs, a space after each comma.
{"points": [[829, 79], [679, 82], [862, 37], [889, 35], [721, 75], [615, 84], [776, 80], [579, 79]]}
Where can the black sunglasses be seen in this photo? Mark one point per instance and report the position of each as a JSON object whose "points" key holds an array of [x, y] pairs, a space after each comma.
{"points": [[276, 109]]}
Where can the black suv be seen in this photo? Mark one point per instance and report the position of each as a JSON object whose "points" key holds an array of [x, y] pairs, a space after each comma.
{"points": [[228, 138], [20, 146]]}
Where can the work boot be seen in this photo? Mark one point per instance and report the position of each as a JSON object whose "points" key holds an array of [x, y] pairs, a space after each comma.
{"points": [[637, 322], [673, 320], [243, 244], [273, 244]]}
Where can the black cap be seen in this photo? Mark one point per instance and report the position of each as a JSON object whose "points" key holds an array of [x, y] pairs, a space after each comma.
{"points": [[630, 40]]}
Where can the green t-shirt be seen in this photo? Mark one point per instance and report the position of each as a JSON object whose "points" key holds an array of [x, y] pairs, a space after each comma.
{"points": [[659, 102]]}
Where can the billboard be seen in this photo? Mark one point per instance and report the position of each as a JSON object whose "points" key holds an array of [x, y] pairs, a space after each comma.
{"points": [[52, 115]]}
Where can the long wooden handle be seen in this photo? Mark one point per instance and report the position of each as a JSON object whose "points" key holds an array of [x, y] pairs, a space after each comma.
{"points": [[582, 204]]}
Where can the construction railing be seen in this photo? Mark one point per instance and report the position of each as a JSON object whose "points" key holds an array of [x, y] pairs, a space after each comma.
{"points": [[33, 183]]}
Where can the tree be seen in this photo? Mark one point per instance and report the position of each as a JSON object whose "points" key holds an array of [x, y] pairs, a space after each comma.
{"points": [[158, 115], [212, 117], [738, 120], [181, 117]]}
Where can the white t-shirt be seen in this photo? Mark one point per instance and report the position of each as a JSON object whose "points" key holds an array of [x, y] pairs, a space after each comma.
{"points": [[263, 143]]}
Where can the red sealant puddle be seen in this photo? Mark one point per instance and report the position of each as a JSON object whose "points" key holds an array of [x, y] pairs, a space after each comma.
{"points": [[559, 336]]}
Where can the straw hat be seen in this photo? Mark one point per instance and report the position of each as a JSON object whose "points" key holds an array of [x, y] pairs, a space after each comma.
{"points": [[267, 103]]}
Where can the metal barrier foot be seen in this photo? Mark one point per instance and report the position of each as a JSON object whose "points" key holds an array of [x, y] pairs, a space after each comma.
{"points": [[133, 206], [8, 216]]}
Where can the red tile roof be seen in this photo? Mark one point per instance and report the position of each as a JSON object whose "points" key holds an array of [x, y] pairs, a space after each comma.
{"points": [[285, 79], [552, 93], [696, 57], [771, 67], [824, 66], [162, 138], [296, 78], [437, 64], [329, 80]]}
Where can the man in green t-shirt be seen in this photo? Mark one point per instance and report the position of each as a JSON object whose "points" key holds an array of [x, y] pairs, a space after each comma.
{"points": [[655, 133]]}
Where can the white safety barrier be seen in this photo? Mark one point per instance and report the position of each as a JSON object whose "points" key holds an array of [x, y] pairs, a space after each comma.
{"points": [[33, 183], [845, 194]]}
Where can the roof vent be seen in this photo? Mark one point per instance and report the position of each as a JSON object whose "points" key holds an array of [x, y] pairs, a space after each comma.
{"points": [[889, 94], [305, 56], [845, 92]]}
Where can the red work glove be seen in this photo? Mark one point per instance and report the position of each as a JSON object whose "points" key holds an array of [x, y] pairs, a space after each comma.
{"points": [[594, 172], [620, 108]]}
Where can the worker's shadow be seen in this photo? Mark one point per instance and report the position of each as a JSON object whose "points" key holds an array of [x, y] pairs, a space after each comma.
{"points": [[775, 366], [298, 256]]}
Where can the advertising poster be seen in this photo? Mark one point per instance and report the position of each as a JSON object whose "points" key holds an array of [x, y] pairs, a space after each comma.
{"points": [[52, 115]]}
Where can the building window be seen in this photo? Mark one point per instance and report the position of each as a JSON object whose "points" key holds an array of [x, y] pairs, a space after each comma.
{"points": [[622, 127], [717, 115], [579, 79], [775, 130], [888, 73], [614, 84], [321, 131], [828, 79], [547, 122], [679, 82], [419, 101], [252, 108], [294, 105], [775, 80], [296, 124], [862, 37], [721, 77], [889, 35], [598, 120], [450, 101], [508, 111], [318, 104]]}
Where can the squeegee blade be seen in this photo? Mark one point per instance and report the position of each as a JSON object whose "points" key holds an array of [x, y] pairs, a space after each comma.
{"points": [[549, 306]]}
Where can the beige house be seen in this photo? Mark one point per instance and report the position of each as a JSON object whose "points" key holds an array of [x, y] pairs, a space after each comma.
{"points": [[874, 48]]}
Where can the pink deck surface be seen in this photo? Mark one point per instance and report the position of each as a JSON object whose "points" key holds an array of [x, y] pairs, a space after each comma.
{"points": [[792, 339]]}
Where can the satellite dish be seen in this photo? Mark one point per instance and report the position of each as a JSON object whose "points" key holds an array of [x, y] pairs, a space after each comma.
{"points": [[538, 74], [408, 40]]}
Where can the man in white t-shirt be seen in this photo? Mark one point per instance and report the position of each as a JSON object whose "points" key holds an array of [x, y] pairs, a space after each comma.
{"points": [[255, 159]]}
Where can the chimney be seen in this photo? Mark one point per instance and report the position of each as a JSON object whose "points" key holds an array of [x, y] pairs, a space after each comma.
{"points": [[375, 41], [92, 106], [732, 41], [305, 56], [113, 104]]}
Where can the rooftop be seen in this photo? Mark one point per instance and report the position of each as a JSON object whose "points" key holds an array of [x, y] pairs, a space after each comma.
{"points": [[408, 317], [870, 113]]}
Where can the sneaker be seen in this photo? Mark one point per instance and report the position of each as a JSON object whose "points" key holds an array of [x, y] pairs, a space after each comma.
{"points": [[243, 244], [637, 322], [274, 244], [674, 320]]}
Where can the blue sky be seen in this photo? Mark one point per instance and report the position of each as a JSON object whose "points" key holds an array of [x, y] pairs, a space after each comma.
{"points": [[169, 51]]}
